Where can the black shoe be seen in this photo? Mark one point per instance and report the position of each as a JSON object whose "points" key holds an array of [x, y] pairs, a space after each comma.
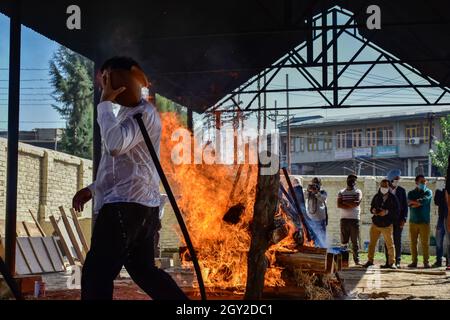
{"points": [[437, 264], [368, 264], [412, 265], [426, 265], [385, 266]]}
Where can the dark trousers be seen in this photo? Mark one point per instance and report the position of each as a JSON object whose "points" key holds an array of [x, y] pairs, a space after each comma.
{"points": [[440, 236], [350, 231], [124, 236], [397, 235]]}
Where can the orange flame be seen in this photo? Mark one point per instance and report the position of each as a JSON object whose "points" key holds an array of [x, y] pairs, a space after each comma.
{"points": [[205, 193]]}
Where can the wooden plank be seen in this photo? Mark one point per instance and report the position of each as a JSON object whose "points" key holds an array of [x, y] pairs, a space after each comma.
{"points": [[22, 266], [37, 223], [31, 229], [313, 250], [29, 255], [54, 253], [339, 262], [71, 234], [41, 254], [62, 241], [20, 230], [305, 261], [330, 262], [79, 230]]}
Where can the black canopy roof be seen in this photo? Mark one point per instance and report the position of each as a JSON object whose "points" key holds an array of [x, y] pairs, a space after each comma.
{"points": [[197, 51]]}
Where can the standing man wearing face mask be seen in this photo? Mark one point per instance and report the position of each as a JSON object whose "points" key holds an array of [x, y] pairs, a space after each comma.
{"points": [[349, 201], [384, 209], [419, 201], [394, 177]]}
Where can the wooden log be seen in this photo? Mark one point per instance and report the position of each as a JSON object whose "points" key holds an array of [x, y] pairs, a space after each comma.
{"points": [[314, 262], [266, 204]]}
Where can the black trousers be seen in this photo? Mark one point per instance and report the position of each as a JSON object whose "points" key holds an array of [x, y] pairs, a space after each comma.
{"points": [[397, 234], [350, 231], [124, 236]]}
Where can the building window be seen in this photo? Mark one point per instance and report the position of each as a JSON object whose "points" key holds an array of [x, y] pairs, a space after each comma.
{"points": [[328, 141], [291, 144], [347, 139], [388, 136], [312, 142], [371, 137], [418, 130], [379, 136], [357, 138], [298, 144]]}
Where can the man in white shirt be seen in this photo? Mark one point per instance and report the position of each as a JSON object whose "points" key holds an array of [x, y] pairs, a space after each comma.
{"points": [[126, 191], [348, 202]]}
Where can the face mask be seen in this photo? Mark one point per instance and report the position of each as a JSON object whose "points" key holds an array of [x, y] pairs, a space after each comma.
{"points": [[421, 186], [395, 183], [384, 190]]}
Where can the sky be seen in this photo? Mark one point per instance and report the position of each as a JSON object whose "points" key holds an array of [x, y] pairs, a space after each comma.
{"points": [[35, 94], [36, 100]]}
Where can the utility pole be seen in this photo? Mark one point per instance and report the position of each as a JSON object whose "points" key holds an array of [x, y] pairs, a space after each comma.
{"points": [[430, 141]]}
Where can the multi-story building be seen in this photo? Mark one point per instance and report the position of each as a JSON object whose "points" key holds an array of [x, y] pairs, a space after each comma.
{"points": [[41, 137], [367, 144]]}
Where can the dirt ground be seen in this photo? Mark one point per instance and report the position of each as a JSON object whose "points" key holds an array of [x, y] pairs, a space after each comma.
{"points": [[401, 284], [360, 284]]}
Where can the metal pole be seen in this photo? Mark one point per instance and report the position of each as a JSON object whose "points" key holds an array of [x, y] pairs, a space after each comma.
{"points": [[96, 138], [13, 136], [173, 202], [190, 120], [288, 123]]}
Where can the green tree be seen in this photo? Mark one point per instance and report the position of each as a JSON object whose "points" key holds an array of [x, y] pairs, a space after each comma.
{"points": [[165, 105], [439, 156], [71, 76]]}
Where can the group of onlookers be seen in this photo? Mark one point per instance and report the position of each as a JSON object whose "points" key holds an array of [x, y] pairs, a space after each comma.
{"points": [[389, 209]]}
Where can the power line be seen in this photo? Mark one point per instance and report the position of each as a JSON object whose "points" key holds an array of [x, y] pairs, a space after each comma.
{"points": [[25, 80], [60, 121], [32, 88], [28, 69]]}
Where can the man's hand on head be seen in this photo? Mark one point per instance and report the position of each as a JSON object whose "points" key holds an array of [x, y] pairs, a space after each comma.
{"points": [[108, 93], [80, 198]]}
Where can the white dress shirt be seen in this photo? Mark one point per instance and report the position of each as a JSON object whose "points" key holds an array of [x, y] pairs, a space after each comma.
{"points": [[126, 172]]}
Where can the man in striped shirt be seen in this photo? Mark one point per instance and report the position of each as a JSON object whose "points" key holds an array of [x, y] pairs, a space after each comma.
{"points": [[348, 202]]}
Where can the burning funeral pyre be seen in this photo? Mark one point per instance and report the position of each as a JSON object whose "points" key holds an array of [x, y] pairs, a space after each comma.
{"points": [[217, 203]]}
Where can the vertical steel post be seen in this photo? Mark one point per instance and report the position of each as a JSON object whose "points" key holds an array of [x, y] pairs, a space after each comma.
{"points": [[324, 50], [96, 139], [335, 61], [13, 136]]}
